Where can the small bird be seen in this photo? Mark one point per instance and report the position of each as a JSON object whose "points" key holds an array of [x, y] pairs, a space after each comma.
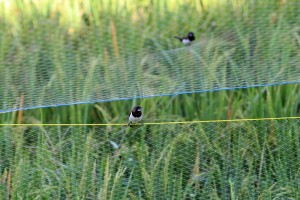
{"points": [[135, 115], [187, 39]]}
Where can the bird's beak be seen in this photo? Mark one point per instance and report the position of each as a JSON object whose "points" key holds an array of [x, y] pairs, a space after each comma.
{"points": [[139, 110]]}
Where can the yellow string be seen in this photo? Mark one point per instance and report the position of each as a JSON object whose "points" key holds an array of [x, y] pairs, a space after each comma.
{"points": [[160, 123]]}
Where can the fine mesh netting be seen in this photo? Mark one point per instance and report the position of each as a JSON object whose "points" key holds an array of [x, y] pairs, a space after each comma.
{"points": [[93, 54], [55, 52], [212, 160]]}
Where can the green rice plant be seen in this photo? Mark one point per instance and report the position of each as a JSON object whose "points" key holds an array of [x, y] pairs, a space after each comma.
{"points": [[56, 43], [240, 160], [45, 43]]}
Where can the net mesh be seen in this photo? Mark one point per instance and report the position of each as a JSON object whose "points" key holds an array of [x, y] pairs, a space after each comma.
{"points": [[84, 52], [219, 160], [71, 52]]}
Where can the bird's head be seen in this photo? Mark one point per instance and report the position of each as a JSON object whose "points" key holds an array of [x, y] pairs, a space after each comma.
{"points": [[137, 109], [191, 36]]}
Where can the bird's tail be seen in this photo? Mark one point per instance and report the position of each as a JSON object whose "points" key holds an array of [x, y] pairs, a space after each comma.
{"points": [[179, 38]]}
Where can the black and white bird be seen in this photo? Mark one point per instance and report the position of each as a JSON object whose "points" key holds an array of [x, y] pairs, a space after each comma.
{"points": [[187, 39], [135, 115]]}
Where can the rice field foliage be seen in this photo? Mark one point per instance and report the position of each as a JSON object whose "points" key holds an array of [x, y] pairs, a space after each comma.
{"points": [[69, 52], [215, 160], [44, 43]]}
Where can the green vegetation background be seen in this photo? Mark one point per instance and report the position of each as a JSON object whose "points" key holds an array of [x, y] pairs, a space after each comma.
{"points": [[235, 160]]}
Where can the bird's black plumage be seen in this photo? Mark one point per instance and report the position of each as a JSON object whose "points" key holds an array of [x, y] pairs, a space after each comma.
{"points": [[135, 115], [187, 39]]}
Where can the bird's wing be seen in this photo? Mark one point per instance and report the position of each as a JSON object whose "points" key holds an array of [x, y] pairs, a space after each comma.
{"points": [[129, 112]]}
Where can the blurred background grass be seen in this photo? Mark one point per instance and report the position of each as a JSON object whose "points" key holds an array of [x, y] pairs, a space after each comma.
{"points": [[240, 160], [42, 38]]}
